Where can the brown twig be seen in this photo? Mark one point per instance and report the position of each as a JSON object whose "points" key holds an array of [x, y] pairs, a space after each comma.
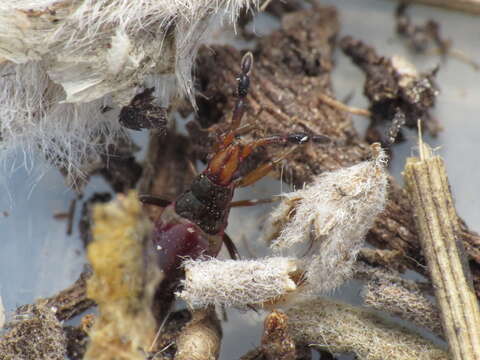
{"points": [[277, 344], [438, 227]]}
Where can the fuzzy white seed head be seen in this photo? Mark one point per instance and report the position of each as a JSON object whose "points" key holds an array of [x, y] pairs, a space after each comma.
{"points": [[62, 61], [237, 282], [325, 223]]}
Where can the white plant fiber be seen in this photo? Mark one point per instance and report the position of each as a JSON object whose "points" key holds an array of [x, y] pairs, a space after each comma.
{"points": [[325, 223], [237, 282], [34, 121]]}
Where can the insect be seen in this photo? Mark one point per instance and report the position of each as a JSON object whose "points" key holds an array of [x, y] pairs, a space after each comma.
{"points": [[194, 224]]}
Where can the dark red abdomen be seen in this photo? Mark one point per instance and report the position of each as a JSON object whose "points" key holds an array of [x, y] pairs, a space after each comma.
{"points": [[174, 242], [176, 238]]}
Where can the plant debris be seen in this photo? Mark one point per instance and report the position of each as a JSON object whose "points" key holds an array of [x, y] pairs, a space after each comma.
{"points": [[325, 223], [77, 340], [320, 227], [426, 38], [34, 333], [392, 86], [120, 169], [282, 99], [438, 226], [420, 37], [142, 113], [68, 215], [165, 340], [277, 343]]}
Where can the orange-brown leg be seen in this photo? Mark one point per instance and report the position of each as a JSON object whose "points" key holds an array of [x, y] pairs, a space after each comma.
{"points": [[263, 170]]}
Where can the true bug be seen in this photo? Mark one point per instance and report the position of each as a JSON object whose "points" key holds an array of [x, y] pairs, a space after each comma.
{"points": [[195, 222]]}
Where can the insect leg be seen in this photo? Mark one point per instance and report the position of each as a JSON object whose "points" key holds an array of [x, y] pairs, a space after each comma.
{"points": [[154, 200], [231, 247]]}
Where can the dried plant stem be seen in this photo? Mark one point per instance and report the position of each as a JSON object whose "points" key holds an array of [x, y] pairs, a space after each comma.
{"points": [[343, 107], [439, 231], [200, 339], [470, 6]]}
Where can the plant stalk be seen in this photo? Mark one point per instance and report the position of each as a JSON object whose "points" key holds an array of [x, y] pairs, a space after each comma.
{"points": [[439, 229]]}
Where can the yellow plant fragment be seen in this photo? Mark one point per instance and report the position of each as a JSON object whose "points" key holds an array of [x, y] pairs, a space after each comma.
{"points": [[121, 282]]}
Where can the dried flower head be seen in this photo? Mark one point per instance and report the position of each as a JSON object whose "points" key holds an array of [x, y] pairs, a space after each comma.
{"points": [[325, 223], [237, 282]]}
